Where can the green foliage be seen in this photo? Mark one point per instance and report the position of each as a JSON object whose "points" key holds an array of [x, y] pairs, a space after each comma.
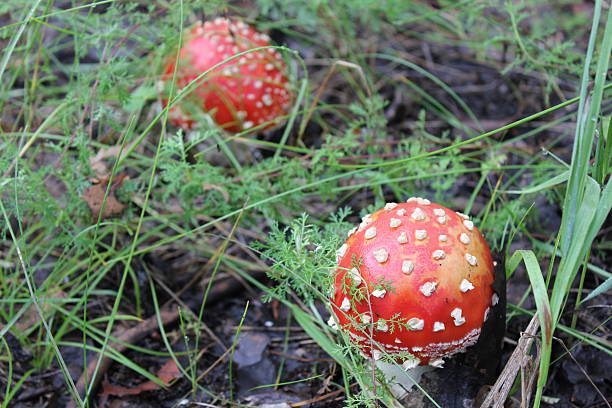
{"points": [[314, 14], [303, 257]]}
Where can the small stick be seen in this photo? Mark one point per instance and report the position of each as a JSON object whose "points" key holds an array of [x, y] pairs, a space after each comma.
{"points": [[500, 390]]}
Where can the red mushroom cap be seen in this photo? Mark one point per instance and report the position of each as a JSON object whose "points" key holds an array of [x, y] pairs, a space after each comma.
{"points": [[240, 94], [415, 278]]}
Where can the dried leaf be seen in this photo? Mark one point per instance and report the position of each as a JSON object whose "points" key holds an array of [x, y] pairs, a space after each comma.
{"points": [[167, 373], [94, 196]]}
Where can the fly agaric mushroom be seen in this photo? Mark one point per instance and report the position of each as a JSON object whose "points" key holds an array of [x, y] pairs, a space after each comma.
{"points": [[413, 283], [240, 94]]}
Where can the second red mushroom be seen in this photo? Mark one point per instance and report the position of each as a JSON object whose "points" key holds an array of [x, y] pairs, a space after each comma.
{"points": [[250, 91]]}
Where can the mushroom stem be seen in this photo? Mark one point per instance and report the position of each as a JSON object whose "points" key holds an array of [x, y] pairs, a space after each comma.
{"points": [[400, 380]]}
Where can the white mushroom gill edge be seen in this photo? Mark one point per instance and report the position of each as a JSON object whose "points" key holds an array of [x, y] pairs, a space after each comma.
{"points": [[446, 349], [402, 378], [410, 364], [356, 337], [494, 299], [438, 363]]}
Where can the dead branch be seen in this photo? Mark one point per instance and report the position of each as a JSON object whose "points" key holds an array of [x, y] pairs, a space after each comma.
{"points": [[519, 359]]}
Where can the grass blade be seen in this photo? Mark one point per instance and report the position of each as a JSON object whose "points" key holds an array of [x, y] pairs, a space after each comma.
{"points": [[544, 312], [588, 113], [558, 179], [579, 244], [603, 288]]}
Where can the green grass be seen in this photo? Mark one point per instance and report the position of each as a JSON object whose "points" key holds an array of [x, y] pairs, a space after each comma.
{"points": [[79, 80]]}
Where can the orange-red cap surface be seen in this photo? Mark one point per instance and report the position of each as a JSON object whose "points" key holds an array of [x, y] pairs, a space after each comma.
{"points": [[243, 93], [415, 278]]}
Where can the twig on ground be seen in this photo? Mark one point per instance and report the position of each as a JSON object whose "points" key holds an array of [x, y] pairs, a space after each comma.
{"points": [[500, 390]]}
